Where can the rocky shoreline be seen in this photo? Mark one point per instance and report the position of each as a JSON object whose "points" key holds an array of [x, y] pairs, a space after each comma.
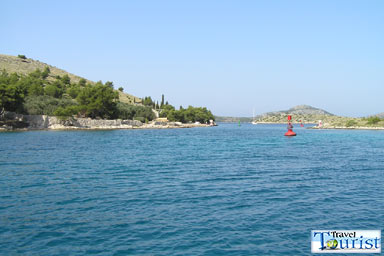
{"points": [[18, 122]]}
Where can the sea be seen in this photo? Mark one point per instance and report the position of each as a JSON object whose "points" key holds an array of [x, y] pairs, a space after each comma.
{"points": [[225, 190]]}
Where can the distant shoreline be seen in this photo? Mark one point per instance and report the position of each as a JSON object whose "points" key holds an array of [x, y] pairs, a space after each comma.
{"points": [[325, 127], [345, 128]]}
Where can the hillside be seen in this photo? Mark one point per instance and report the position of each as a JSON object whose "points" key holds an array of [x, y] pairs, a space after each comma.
{"points": [[30, 87], [300, 110], [308, 114], [14, 64], [299, 113]]}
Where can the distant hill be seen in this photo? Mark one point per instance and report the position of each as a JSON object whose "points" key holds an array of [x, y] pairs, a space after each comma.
{"points": [[304, 113], [381, 115], [300, 110], [14, 64]]}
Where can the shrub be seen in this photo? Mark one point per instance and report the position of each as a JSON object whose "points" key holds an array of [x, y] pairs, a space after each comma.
{"points": [[45, 105], [21, 56], [68, 111], [82, 82], [351, 123], [373, 120], [66, 80], [45, 73], [141, 119], [141, 113], [40, 105]]}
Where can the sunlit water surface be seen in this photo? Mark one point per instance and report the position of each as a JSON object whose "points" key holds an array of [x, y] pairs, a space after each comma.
{"points": [[226, 190]]}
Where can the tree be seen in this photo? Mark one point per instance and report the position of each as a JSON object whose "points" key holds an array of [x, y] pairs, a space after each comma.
{"points": [[74, 90], [11, 97], [45, 73], [35, 87], [162, 100], [21, 56], [147, 101], [121, 89], [66, 80], [110, 84], [82, 82], [191, 114], [53, 90], [99, 100]]}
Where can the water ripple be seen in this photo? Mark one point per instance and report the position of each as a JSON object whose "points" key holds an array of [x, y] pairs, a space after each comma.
{"points": [[228, 190]]}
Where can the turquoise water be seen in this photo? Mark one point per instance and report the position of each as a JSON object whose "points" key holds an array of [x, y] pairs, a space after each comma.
{"points": [[225, 190]]}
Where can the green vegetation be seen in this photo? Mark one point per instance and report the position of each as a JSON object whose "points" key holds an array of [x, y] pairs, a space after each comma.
{"points": [[190, 114], [35, 95], [12, 93], [46, 105], [373, 120], [35, 88], [147, 101], [137, 112], [351, 123]]}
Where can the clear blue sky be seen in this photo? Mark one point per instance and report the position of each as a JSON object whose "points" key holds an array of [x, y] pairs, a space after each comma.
{"points": [[231, 56]]}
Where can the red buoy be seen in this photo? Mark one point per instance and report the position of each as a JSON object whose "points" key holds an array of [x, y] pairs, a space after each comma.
{"points": [[290, 133], [290, 127]]}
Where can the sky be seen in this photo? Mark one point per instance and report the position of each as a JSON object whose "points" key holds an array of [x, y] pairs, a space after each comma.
{"points": [[231, 56]]}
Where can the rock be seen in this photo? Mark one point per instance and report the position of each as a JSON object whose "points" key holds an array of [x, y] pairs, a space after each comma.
{"points": [[134, 123], [160, 123]]}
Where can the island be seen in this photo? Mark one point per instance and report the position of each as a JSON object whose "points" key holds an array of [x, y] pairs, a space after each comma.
{"points": [[316, 118]]}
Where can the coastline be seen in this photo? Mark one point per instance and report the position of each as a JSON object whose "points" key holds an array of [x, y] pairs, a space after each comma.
{"points": [[19, 122], [345, 128], [326, 127]]}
